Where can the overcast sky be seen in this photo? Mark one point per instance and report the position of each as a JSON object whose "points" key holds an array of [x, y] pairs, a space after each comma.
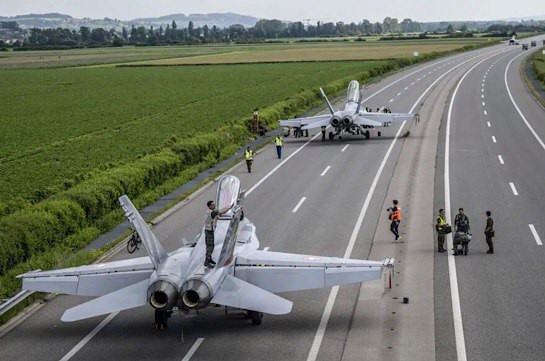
{"points": [[325, 10]]}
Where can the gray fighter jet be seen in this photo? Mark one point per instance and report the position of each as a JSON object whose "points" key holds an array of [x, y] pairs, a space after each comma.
{"points": [[353, 119], [244, 277]]}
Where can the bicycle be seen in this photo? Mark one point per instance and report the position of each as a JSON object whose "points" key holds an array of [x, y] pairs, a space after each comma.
{"points": [[134, 242]]}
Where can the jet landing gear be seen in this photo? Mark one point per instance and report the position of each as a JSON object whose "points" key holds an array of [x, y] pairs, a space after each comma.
{"points": [[161, 319], [256, 317], [331, 135], [367, 134]]}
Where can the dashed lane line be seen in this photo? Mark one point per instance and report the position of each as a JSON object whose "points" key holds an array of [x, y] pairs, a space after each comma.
{"points": [[500, 158], [536, 236], [325, 171], [494, 139], [512, 185], [344, 148], [298, 205], [193, 349]]}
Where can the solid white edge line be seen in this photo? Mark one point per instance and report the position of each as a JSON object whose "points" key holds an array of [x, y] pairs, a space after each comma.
{"points": [[325, 171], [500, 159], [89, 336], [515, 104], [298, 205], [512, 185], [344, 148], [453, 277], [536, 236], [318, 337], [193, 349], [494, 139]]}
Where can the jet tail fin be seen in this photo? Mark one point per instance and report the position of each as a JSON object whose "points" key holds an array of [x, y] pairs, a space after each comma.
{"points": [[235, 292], [152, 244], [360, 100], [327, 101]]}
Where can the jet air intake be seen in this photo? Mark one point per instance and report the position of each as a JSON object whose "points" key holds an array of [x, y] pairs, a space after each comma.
{"points": [[162, 295], [195, 294]]}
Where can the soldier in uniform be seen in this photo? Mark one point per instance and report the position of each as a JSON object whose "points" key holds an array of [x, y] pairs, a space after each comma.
{"points": [[440, 228], [323, 132], [249, 155], [209, 228], [489, 232]]}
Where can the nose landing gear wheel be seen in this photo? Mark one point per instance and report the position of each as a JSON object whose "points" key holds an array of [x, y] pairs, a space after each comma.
{"points": [[379, 133], [256, 317]]}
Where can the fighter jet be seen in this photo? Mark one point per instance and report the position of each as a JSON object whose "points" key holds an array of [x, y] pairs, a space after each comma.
{"points": [[244, 277], [512, 41], [353, 119]]}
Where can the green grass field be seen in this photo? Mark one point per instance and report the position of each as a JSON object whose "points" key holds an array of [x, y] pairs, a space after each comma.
{"points": [[60, 123], [538, 66]]}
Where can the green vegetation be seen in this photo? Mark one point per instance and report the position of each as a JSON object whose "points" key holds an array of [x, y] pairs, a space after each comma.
{"points": [[538, 67], [77, 139]]}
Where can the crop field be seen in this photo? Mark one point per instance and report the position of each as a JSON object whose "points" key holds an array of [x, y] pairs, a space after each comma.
{"points": [[284, 51], [59, 123], [538, 65], [317, 52]]}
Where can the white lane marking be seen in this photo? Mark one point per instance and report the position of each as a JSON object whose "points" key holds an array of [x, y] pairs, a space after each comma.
{"points": [[318, 337], [344, 148], [500, 159], [193, 349], [485, 113], [406, 88], [483, 104], [485, 76], [298, 205], [489, 125], [516, 106], [266, 249], [512, 185], [325, 171], [398, 94], [482, 90], [536, 236], [391, 100], [412, 83], [316, 343], [494, 139], [453, 277], [88, 338], [482, 96]]}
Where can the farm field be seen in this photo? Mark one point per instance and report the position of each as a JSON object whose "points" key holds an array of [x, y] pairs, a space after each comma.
{"points": [[60, 123], [319, 52], [284, 51], [538, 64]]}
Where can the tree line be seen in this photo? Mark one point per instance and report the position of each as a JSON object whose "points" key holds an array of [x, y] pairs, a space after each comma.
{"points": [[264, 29]]}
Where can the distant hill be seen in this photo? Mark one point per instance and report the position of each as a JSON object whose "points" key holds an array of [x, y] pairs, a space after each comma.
{"points": [[55, 20]]}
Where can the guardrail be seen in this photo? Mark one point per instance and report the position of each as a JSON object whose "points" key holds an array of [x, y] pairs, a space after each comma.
{"points": [[14, 301]]}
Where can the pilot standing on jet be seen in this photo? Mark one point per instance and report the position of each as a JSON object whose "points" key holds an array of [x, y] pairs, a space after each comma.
{"points": [[209, 228]]}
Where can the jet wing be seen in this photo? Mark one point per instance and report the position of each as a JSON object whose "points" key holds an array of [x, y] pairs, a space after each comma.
{"points": [[299, 122], [92, 280], [378, 119], [283, 272]]}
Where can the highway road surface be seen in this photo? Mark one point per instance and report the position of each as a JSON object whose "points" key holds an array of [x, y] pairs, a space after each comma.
{"points": [[329, 198]]}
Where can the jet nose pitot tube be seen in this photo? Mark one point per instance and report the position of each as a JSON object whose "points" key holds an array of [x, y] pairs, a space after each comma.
{"points": [[195, 294], [162, 295]]}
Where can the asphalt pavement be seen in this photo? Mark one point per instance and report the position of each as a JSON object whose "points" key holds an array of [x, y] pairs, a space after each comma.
{"points": [[323, 225]]}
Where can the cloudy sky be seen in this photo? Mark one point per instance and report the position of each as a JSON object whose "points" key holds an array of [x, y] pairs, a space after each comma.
{"points": [[326, 10]]}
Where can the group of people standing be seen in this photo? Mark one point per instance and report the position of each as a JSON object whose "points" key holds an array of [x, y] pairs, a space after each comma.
{"points": [[249, 153], [461, 237]]}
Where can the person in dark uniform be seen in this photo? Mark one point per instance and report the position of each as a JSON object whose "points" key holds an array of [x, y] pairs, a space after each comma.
{"points": [[489, 232], [323, 132], [395, 218], [461, 226], [440, 228]]}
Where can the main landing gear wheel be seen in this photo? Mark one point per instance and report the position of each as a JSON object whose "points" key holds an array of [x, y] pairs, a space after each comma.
{"points": [[367, 134], [331, 135], [256, 317], [161, 319], [379, 133]]}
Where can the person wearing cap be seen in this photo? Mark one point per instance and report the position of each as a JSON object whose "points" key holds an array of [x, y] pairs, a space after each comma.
{"points": [[209, 228], [395, 218]]}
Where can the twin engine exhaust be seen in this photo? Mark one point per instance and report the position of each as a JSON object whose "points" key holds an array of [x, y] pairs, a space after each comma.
{"points": [[194, 294]]}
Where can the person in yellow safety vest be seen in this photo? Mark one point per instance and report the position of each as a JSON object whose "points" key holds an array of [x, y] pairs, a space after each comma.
{"points": [[440, 228], [249, 155], [279, 144]]}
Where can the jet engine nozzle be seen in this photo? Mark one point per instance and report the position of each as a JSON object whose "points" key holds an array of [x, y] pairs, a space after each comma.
{"points": [[195, 294], [347, 120], [162, 295], [335, 121]]}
